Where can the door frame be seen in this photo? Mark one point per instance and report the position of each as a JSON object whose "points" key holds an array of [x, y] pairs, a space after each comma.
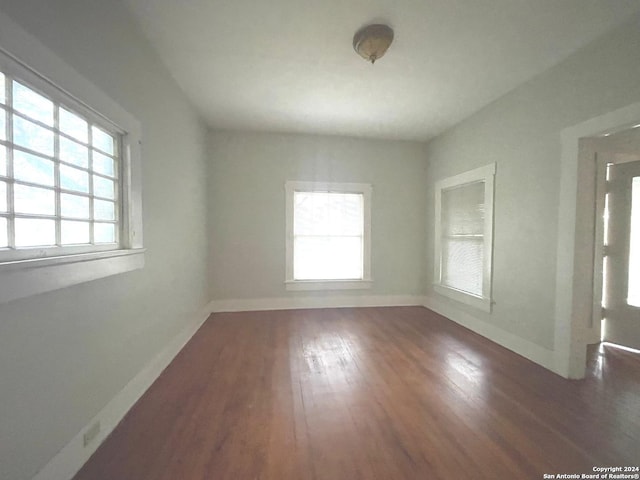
{"points": [[575, 260]]}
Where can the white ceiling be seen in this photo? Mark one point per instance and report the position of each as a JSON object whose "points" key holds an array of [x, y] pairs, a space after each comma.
{"points": [[288, 65]]}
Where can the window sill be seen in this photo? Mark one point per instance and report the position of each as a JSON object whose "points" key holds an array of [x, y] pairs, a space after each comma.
{"points": [[24, 278], [328, 284], [481, 303]]}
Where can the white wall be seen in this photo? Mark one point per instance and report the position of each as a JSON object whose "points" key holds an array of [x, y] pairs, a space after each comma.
{"points": [[247, 174], [65, 354], [521, 132]]}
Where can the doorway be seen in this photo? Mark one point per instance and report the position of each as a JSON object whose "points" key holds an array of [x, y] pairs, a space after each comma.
{"points": [[616, 309], [578, 293]]}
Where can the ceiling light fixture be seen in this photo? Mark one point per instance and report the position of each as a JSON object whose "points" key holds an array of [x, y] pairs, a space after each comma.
{"points": [[371, 42]]}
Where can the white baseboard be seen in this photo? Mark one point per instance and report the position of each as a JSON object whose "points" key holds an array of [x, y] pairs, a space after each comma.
{"points": [[256, 304], [540, 355], [74, 455]]}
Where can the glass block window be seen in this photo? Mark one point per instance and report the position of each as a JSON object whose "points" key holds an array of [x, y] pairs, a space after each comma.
{"points": [[60, 164]]}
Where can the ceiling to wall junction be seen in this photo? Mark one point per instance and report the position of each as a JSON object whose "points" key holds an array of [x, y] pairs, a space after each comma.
{"points": [[288, 65]]}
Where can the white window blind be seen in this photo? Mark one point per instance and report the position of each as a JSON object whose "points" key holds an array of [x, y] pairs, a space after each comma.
{"points": [[463, 237], [328, 236]]}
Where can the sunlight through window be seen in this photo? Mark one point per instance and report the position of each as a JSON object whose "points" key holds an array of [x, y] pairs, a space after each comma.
{"points": [[328, 236]]}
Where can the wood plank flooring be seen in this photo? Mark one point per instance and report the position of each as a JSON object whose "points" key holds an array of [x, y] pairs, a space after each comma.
{"points": [[369, 393]]}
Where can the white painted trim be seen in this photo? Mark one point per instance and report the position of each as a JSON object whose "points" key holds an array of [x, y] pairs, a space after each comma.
{"points": [[485, 174], [481, 303], [569, 336], [30, 280], [293, 186], [258, 304], [472, 176], [63, 259], [74, 455], [540, 355], [598, 248]]}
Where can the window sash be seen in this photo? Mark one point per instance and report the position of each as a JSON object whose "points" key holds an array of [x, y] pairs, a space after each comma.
{"points": [[476, 291], [462, 224], [13, 71], [325, 263], [361, 236], [459, 277], [327, 260]]}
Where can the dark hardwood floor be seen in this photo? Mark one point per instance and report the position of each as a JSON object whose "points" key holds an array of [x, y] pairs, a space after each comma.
{"points": [[370, 393]]}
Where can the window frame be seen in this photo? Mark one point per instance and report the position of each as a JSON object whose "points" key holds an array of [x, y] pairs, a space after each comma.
{"points": [[14, 71], [23, 57], [485, 174], [365, 190]]}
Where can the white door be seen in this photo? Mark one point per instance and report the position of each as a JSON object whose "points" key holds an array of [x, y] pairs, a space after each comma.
{"points": [[622, 273]]}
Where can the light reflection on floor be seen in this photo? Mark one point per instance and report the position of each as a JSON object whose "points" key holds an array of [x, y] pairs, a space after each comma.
{"points": [[600, 362], [621, 347], [331, 359], [601, 359]]}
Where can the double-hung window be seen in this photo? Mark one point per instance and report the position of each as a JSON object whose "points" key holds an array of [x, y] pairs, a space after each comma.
{"points": [[464, 230], [70, 174], [328, 235]]}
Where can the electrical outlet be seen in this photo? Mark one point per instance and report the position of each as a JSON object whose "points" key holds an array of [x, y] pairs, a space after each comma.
{"points": [[91, 433]]}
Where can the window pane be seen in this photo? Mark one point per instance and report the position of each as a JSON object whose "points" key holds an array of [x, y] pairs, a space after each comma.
{"points": [[3, 160], [72, 152], [3, 124], [462, 260], [32, 136], [4, 238], [104, 210], [320, 213], [104, 233], [73, 125], [463, 210], [33, 169], [73, 233], [462, 241], [103, 187], [32, 104], [35, 232], [102, 140], [74, 206], [327, 258], [2, 89], [633, 294], [33, 200], [74, 179], [103, 164], [3, 197]]}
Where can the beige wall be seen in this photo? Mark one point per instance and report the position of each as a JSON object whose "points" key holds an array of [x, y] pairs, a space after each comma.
{"points": [[247, 174], [65, 354], [521, 133]]}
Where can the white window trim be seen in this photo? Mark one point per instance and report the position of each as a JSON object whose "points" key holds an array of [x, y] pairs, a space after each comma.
{"points": [[362, 188], [484, 174], [23, 278]]}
